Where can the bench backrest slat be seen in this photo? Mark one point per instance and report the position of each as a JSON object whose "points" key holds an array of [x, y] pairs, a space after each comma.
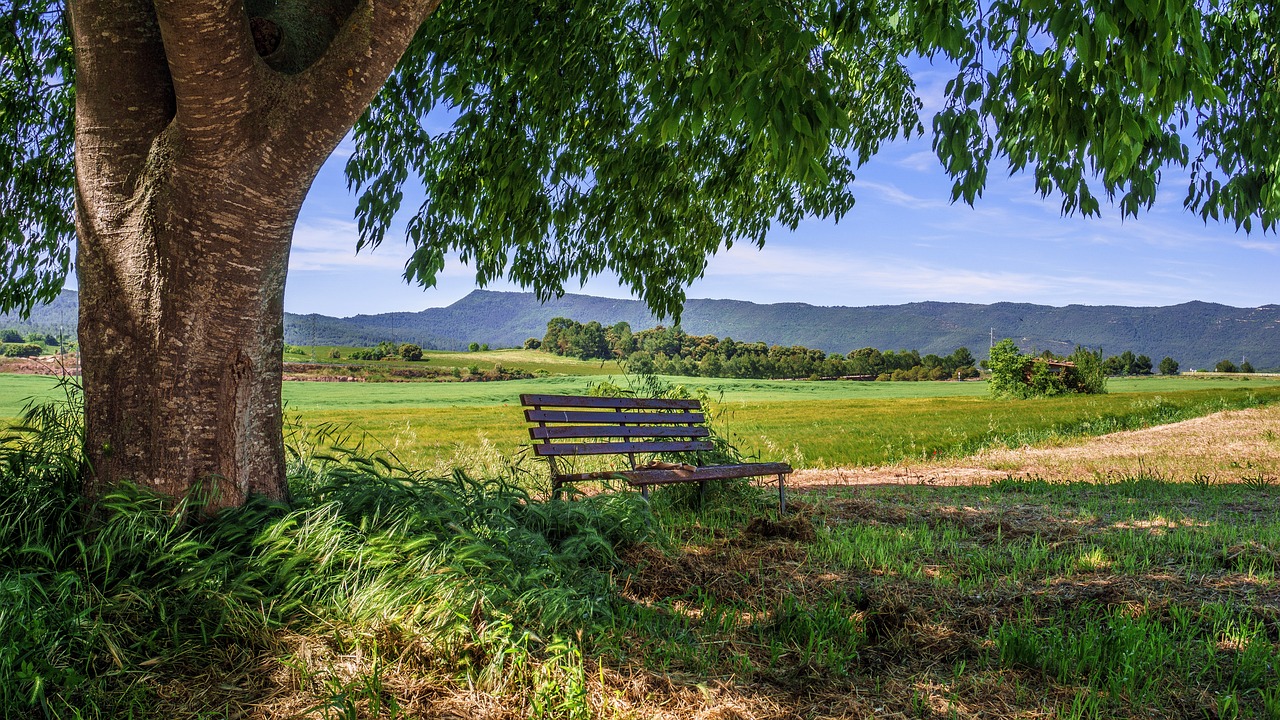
{"points": [[617, 431], [581, 425], [630, 418], [619, 448], [622, 403]]}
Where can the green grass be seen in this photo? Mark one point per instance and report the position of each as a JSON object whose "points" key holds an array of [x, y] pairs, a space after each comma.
{"points": [[529, 360], [1140, 598], [816, 432], [811, 424], [387, 592]]}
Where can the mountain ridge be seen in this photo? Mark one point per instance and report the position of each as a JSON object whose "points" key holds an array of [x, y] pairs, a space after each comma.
{"points": [[1197, 333]]}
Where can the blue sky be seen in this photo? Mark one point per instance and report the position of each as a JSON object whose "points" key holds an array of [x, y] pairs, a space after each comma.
{"points": [[903, 242]]}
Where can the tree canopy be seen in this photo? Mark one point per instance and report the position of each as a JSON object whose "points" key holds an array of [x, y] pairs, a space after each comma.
{"points": [[642, 136]]}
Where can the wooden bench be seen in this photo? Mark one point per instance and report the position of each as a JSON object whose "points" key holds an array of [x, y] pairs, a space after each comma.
{"points": [[573, 425]]}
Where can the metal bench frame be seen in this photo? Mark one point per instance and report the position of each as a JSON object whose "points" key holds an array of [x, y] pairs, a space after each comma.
{"points": [[573, 425]]}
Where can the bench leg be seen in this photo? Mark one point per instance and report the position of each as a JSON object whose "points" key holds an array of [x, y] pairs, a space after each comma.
{"points": [[644, 492], [782, 494], [702, 494]]}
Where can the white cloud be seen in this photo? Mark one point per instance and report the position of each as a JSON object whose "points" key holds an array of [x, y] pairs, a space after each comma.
{"points": [[923, 161], [896, 195], [824, 277], [329, 245], [1266, 247]]}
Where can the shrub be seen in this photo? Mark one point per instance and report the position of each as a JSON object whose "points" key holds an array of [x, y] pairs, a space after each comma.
{"points": [[1168, 366], [411, 352], [20, 350], [1008, 368], [1225, 366], [10, 336], [1016, 375]]}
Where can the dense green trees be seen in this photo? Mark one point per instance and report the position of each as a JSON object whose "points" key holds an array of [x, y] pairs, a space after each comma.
{"points": [[1168, 366], [388, 351], [20, 349], [1126, 363], [1014, 374], [671, 351]]}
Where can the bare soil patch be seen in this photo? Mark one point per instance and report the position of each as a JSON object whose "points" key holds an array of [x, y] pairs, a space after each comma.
{"points": [[1231, 446]]}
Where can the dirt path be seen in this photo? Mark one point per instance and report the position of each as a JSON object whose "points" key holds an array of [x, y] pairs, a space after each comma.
{"points": [[1224, 447]]}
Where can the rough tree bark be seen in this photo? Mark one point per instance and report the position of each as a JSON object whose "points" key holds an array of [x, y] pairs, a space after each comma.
{"points": [[200, 126]]}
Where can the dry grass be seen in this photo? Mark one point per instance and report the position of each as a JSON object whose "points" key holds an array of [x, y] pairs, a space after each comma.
{"points": [[1224, 447]]}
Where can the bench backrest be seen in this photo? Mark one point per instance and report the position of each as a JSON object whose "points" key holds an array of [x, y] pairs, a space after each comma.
{"points": [[580, 425]]}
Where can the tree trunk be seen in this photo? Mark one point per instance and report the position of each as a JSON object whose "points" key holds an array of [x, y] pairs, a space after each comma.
{"points": [[200, 125], [181, 333]]}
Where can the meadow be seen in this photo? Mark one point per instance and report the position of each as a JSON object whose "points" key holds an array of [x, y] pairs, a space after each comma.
{"points": [[479, 425], [387, 591], [529, 360]]}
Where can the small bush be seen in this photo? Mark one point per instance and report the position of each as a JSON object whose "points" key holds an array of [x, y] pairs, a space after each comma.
{"points": [[20, 350]]}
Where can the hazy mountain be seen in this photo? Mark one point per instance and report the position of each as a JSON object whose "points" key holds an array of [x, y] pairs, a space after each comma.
{"points": [[1196, 334]]}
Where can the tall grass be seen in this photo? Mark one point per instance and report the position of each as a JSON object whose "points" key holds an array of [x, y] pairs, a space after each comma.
{"points": [[135, 605]]}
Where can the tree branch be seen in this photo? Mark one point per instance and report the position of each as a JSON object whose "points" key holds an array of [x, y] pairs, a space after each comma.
{"points": [[214, 65], [124, 97], [331, 95]]}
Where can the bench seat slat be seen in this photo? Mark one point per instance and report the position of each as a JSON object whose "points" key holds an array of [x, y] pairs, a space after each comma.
{"points": [[628, 431], [667, 477], [614, 448], [631, 418], [581, 401]]}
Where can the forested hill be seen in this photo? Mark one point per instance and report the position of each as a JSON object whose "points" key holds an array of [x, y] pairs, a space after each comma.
{"points": [[1195, 334]]}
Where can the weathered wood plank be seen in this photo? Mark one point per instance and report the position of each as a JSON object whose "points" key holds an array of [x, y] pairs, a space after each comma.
{"points": [[615, 448], [630, 418], [667, 477], [629, 431], [582, 401]]}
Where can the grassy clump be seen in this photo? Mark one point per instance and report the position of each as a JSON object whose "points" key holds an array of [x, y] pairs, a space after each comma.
{"points": [[147, 610]]}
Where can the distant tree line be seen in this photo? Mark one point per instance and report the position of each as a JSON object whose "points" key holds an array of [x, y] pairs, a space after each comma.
{"points": [[671, 351], [1226, 366], [388, 351], [14, 344]]}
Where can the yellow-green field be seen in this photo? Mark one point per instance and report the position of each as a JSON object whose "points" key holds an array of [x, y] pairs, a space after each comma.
{"points": [[528, 360], [811, 424]]}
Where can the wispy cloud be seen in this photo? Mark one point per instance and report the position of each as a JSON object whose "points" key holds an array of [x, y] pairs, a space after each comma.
{"points": [[923, 161], [329, 245], [1272, 248], [879, 278], [896, 195]]}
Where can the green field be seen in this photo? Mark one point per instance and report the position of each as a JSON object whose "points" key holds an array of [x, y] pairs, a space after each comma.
{"points": [[810, 424], [529, 360]]}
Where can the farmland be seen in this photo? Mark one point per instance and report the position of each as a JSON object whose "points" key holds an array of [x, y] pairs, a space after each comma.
{"points": [[811, 424]]}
